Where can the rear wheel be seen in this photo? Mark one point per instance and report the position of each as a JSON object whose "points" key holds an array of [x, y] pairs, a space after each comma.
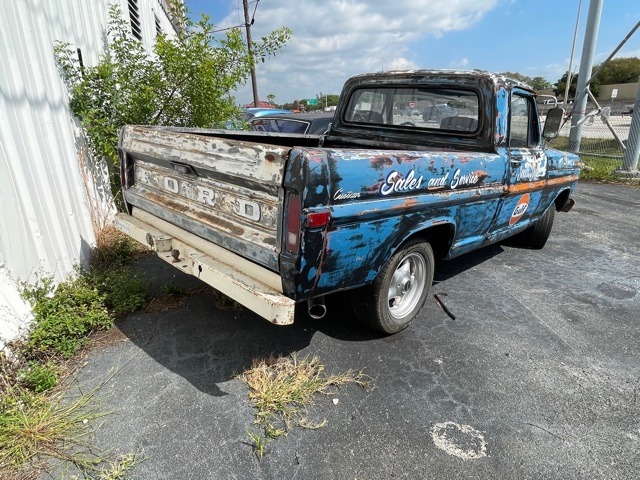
{"points": [[536, 237], [399, 291]]}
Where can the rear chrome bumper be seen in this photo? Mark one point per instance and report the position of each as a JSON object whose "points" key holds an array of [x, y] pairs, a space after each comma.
{"points": [[251, 285]]}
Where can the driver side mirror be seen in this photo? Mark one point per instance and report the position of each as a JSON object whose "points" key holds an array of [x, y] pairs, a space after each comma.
{"points": [[553, 123]]}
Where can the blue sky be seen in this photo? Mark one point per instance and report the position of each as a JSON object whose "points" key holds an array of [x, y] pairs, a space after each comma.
{"points": [[335, 39]]}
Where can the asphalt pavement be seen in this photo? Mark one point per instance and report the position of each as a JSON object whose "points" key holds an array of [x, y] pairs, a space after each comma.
{"points": [[537, 377]]}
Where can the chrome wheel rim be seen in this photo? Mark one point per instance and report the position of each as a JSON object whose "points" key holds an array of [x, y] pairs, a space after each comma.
{"points": [[407, 285]]}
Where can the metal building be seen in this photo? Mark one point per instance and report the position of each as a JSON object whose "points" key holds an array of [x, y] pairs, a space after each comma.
{"points": [[45, 214]]}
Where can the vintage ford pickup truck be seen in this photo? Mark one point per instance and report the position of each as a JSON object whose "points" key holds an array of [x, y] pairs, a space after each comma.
{"points": [[274, 219]]}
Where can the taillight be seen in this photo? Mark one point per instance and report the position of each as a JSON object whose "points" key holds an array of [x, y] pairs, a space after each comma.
{"points": [[315, 219], [294, 220]]}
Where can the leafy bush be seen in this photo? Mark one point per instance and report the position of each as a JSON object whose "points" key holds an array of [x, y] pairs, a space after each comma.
{"points": [[64, 316], [124, 292], [39, 377], [186, 81]]}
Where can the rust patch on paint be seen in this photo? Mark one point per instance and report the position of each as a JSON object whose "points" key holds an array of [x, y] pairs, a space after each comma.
{"points": [[165, 201]]}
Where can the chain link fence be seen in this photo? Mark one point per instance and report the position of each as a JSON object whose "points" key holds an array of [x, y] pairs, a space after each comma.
{"points": [[599, 150]]}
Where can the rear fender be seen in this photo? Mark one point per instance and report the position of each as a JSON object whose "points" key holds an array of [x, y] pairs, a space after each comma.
{"points": [[440, 234]]}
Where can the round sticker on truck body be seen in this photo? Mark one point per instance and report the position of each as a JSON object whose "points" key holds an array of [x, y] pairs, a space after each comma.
{"points": [[520, 209]]}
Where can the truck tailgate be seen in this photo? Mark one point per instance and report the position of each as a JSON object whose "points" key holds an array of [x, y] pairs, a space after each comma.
{"points": [[225, 191]]}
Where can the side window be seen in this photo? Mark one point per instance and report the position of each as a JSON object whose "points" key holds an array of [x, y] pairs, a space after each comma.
{"points": [[523, 130], [366, 106]]}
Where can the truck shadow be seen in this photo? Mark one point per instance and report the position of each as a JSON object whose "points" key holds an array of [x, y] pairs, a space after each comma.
{"points": [[445, 269], [341, 324], [199, 336], [207, 340], [208, 345]]}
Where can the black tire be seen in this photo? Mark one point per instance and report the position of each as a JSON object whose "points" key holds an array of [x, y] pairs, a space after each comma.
{"points": [[399, 291], [536, 237]]}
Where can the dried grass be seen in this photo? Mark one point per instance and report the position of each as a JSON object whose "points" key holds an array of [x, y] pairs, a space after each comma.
{"points": [[282, 389]]}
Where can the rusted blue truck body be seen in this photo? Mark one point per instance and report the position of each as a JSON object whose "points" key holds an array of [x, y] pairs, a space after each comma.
{"points": [[364, 208]]}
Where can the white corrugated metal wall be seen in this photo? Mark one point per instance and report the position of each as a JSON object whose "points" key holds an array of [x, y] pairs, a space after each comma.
{"points": [[45, 221]]}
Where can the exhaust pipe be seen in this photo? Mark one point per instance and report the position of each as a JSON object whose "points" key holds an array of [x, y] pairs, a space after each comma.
{"points": [[316, 308]]}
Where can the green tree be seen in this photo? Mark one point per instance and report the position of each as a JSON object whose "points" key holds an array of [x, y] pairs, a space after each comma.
{"points": [[620, 70], [186, 81], [560, 86], [330, 100], [540, 83]]}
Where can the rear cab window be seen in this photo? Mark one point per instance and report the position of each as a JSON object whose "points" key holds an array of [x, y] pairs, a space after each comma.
{"points": [[421, 108]]}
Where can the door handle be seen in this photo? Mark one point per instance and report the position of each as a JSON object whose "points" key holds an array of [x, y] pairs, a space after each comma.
{"points": [[183, 168]]}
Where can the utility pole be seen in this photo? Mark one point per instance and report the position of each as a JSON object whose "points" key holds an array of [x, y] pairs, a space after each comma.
{"points": [[565, 100], [631, 154], [586, 63], [254, 81]]}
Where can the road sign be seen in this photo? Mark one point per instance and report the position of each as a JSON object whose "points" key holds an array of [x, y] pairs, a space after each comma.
{"points": [[614, 93], [312, 102]]}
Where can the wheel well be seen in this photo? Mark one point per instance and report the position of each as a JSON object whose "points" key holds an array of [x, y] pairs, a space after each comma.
{"points": [[561, 199], [439, 236]]}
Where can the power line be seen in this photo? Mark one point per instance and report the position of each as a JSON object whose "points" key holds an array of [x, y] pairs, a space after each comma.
{"points": [[253, 19]]}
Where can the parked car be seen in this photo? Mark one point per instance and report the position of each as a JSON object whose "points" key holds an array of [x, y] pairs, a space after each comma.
{"points": [[251, 113], [305, 123], [435, 113]]}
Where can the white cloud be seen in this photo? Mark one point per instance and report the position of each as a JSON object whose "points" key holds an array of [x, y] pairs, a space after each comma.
{"points": [[330, 38], [460, 63], [628, 53]]}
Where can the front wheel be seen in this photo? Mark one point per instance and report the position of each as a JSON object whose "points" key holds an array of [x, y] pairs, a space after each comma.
{"points": [[536, 237], [399, 290]]}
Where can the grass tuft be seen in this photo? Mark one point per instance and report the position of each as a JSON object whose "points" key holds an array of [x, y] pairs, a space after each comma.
{"points": [[282, 389], [171, 288], [113, 249], [258, 443], [34, 426], [120, 468]]}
